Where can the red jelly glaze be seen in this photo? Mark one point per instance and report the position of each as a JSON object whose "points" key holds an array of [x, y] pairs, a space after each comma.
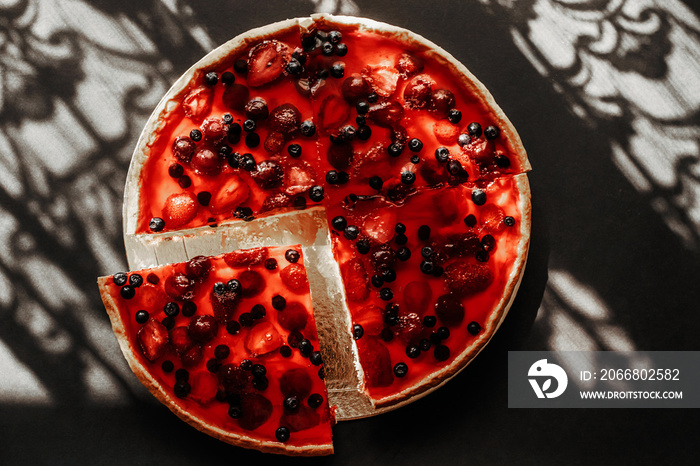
{"points": [[429, 200], [200, 402]]}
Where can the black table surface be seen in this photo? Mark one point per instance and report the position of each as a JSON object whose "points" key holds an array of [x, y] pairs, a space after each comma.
{"points": [[605, 97]]}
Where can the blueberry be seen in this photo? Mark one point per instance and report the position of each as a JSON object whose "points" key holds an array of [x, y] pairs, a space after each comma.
{"points": [[478, 197], [403, 254], [408, 177], [426, 252], [332, 177], [388, 275], [234, 285], [278, 302], [372, 98], [327, 48], [222, 352], [141, 317], [412, 351], [360, 120], [401, 239], [156, 224], [377, 281], [282, 434], [189, 308], [441, 353], [491, 132], [184, 182], [271, 263], [488, 243], [167, 366], [233, 327], [482, 256], [400, 228], [291, 403], [258, 312], [362, 246], [245, 319], [335, 37], [252, 140], [351, 232], [509, 221], [305, 347], [415, 159], [362, 107], [294, 150], [316, 193], [228, 78], [502, 161], [474, 129], [424, 344], [415, 145], [454, 167], [470, 221], [400, 369], [386, 294], [196, 135], [339, 223], [423, 232], [258, 370], [119, 278], [364, 133], [307, 128], [429, 321], [211, 78], [175, 170], [454, 116], [182, 389], [316, 358], [219, 288], [395, 149], [292, 255], [338, 70], [127, 292], [375, 182], [357, 331], [285, 351], [240, 66], [171, 309], [260, 383], [294, 67], [314, 400], [341, 50], [427, 267], [248, 162], [442, 154], [443, 333], [464, 139]]}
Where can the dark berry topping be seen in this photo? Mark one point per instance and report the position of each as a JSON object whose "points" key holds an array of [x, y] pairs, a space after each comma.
{"points": [[291, 403], [491, 132], [415, 145], [388, 275], [316, 358], [454, 116], [171, 309], [246, 364], [222, 352], [364, 133], [260, 383], [252, 140], [175, 170], [292, 255], [362, 246], [305, 347], [454, 167], [470, 221], [403, 254], [156, 224], [285, 351], [415, 159], [219, 288], [442, 154], [357, 331], [141, 317], [488, 243], [167, 366], [338, 70], [424, 232], [372, 97], [278, 302], [332, 177], [412, 351], [400, 369], [168, 322], [196, 135], [482, 256], [464, 139], [427, 267], [228, 78], [401, 239], [316, 193], [119, 278], [327, 48], [127, 292], [204, 198], [248, 162], [213, 365], [294, 67], [509, 221], [314, 400], [429, 321], [362, 107], [474, 129], [502, 161], [478, 197], [341, 50], [249, 125], [351, 232], [152, 279], [339, 223], [375, 182], [307, 128], [182, 389], [258, 312], [211, 78], [386, 294], [271, 263], [294, 150], [246, 319], [443, 333], [189, 308], [408, 177], [377, 281], [258, 370], [400, 228], [395, 149], [240, 66], [182, 375], [441, 353], [184, 181]]}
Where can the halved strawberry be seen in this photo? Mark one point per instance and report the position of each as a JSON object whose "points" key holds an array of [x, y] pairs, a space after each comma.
{"points": [[445, 132], [274, 142], [197, 102], [355, 279], [417, 92], [275, 201], [236, 96], [464, 277], [255, 411], [213, 130], [293, 316], [192, 356], [266, 62], [379, 225], [371, 320], [151, 297], [296, 382], [333, 113], [252, 283], [480, 151], [383, 78], [409, 327], [268, 174], [229, 195], [299, 177], [263, 338], [386, 113], [416, 296], [246, 257], [408, 64], [204, 387], [179, 210], [376, 362], [179, 286], [152, 338], [294, 278], [304, 418], [180, 339], [492, 218], [285, 119], [206, 162], [224, 304]]}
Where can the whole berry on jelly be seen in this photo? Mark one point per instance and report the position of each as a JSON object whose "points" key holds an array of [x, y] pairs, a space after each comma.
{"points": [[403, 253], [377, 281], [412, 351], [314, 400], [233, 327], [240, 66], [271, 263], [175, 170], [258, 312], [307, 128], [339, 223], [427, 267], [362, 107], [470, 221], [127, 292], [509, 221], [291, 403], [282, 434], [408, 177], [156, 224], [141, 317], [171, 309], [423, 232], [228, 78], [364, 133], [292, 255], [464, 139], [294, 150], [305, 347], [478, 197], [376, 183], [222, 352], [338, 70], [119, 278], [491, 132], [278, 302], [211, 78], [357, 331], [196, 135], [401, 239], [362, 246], [395, 149], [316, 193], [442, 154], [332, 177], [386, 294], [454, 116], [415, 145], [351, 232], [252, 140], [441, 353], [316, 358], [285, 351], [341, 50], [502, 161], [400, 369], [474, 129], [294, 67]]}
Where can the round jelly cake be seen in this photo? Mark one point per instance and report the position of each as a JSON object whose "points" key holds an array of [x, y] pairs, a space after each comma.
{"points": [[390, 166]]}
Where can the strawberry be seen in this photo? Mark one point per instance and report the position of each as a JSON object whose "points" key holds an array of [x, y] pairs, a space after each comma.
{"points": [[294, 278], [371, 320], [252, 283], [180, 339], [409, 327], [293, 316], [386, 113], [203, 328], [465, 277], [376, 362], [266, 62], [179, 286], [355, 88], [213, 130], [418, 91], [274, 142], [285, 119], [441, 102], [299, 177], [197, 102], [152, 338], [296, 382], [255, 409], [445, 132], [383, 257], [246, 257], [379, 225], [234, 379], [206, 162], [198, 268], [432, 172], [192, 356], [236, 97], [263, 338], [355, 279], [447, 206], [416, 296], [268, 174], [224, 304], [480, 151], [408, 64], [304, 418], [275, 201], [204, 387], [183, 148], [383, 78], [151, 298], [449, 310], [180, 209], [229, 195], [466, 244], [492, 218], [333, 113], [370, 162]]}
